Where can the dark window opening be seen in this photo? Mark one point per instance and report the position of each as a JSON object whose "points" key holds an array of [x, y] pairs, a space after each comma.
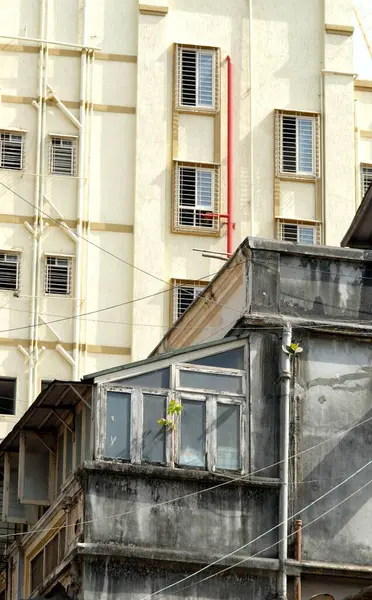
{"points": [[7, 395]]}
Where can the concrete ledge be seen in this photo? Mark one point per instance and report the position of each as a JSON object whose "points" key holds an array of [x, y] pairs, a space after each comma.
{"points": [[325, 568], [363, 85], [346, 30], [361, 330], [155, 11], [172, 555], [177, 473]]}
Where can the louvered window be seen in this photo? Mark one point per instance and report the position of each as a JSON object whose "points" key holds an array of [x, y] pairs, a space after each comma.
{"points": [[196, 197], [197, 77], [298, 233], [58, 275], [9, 271], [11, 151], [299, 144], [184, 293], [62, 156], [366, 174]]}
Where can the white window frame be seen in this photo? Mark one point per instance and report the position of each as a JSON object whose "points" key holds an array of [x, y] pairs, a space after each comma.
{"points": [[172, 449], [4, 158], [314, 119], [55, 155], [178, 226], [47, 272], [9, 258], [316, 230], [198, 50]]}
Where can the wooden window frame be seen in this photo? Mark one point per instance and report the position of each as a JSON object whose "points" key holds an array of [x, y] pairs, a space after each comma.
{"points": [[41, 548], [216, 80], [178, 393]]}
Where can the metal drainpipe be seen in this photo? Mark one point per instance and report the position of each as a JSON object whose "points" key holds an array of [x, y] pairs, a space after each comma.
{"points": [[356, 154], [285, 388], [298, 586], [80, 200], [35, 266], [41, 206], [230, 124], [251, 157]]}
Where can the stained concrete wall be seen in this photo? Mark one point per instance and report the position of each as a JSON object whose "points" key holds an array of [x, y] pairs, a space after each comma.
{"points": [[113, 580], [333, 391]]}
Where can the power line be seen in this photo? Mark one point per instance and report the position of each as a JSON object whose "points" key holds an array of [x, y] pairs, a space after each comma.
{"points": [[191, 494], [275, 543]]}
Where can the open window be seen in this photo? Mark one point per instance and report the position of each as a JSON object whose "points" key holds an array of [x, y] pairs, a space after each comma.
{"points": [[13, 510], [36, 469]]}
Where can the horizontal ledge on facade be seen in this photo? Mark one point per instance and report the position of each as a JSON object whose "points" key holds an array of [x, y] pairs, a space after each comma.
{"points": [[89, 348], [363, 84], [153, 10], [98, 55], [163, 554], [341, 569], [265, 320], [346, 30], [300, 221], [179, 473], [364, 133], [93, 226], [111, 108]]}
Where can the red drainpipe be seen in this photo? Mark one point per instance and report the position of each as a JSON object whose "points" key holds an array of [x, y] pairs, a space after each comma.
{"points": [[230, 224]]}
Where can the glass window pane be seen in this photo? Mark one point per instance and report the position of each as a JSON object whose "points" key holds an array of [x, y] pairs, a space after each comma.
{"points": [[204, 189], [154, 408], [192, 451], [205, 94], [69, 448], [228, 437], [155, 379], [305, 143], [118, 426], [306, 235], [78, 435], [231, 359], [211, 381]]}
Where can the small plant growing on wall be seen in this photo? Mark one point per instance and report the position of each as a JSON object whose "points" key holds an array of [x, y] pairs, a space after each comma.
{"points": [[293, 349], [174, 409]]}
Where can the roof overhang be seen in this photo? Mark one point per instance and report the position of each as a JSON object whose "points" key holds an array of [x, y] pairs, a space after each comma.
{"points": [[359, 234]]}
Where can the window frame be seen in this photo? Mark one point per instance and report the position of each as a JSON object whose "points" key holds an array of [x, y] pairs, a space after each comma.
{"points": [[297, 174], [7, 253], [176, 285], [52, 154], [198, 107], [177, 225], [47, 275], [172, 439], [10, 133], [61, 552], [21, 472], [298, 223], [364, 166]]}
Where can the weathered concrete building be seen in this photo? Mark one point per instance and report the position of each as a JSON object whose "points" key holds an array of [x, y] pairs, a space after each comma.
{"points": [[115, 505]]}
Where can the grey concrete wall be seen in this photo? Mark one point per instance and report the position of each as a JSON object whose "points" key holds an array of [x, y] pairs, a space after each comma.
{"points": [[304, 285], [109, 579], [338, 587], [334, 391], [212, 523]]}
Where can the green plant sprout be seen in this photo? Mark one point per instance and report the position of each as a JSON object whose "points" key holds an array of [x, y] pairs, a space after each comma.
{"points": [[292, 349], [174, 409]]}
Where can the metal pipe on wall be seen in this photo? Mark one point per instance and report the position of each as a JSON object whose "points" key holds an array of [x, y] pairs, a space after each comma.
{"points": [[230, 124], [356, 154], [251, 156], [285, 389], [80, 200], [34, 291], [298, 591]]}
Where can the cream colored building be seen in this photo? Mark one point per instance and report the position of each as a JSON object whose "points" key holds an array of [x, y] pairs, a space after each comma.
{"points": [[113, 122]]}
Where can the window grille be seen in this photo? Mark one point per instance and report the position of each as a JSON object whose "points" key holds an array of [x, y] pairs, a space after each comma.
{"points": [[298, 138], [9, 271], [298, 232], [11, 151], [197, 78], [184, 293], [58, 275], [62, 156], [366, 175], [196, 198]]}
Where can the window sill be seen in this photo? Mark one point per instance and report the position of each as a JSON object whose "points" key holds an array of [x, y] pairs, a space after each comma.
{"points": [[194, 110], [180, 473], [298, 177], [198, 232]]}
